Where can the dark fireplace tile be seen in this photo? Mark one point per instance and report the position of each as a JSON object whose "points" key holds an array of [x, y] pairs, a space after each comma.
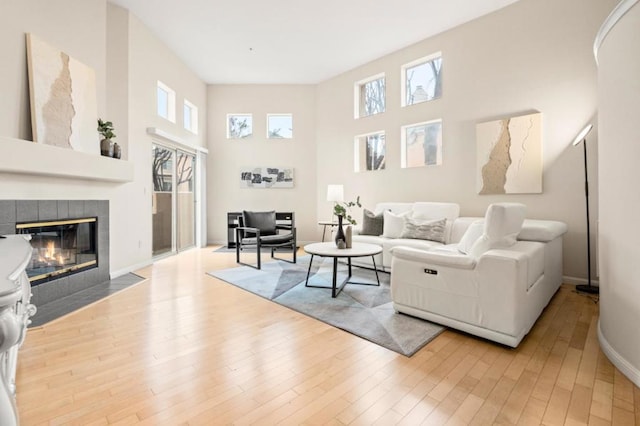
{"points": [[7, 229], [91, 208], [26, 210], [47, 210], [7, 212], [46, 292], [103, 209], [63, 209], [76, 209]]}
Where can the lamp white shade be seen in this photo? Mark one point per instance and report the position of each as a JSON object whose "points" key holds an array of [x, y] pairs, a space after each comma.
{"points": [[583, 134], [335, 193]]}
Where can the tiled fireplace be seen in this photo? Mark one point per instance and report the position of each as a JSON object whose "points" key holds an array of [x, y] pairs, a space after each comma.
{"points": [[71, 243]]}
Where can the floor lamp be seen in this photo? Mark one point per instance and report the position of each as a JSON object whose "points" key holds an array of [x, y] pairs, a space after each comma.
{"points": [[582, 138]]}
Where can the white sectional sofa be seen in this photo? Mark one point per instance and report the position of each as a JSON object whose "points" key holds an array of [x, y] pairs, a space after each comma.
{"points": [[494, 289]]}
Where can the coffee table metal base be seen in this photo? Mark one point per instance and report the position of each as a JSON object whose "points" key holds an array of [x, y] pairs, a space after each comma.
{"points": [[335, 289]]}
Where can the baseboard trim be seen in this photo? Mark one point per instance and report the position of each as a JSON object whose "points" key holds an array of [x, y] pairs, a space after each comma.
{"points": [[631, 372], [130, 268], [575, 280]]}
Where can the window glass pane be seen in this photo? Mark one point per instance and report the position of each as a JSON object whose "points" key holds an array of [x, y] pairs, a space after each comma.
{"points": [[372, 99], [239, 126], [163, 103], [279, 126], [422, 144], [423, 82], [370, 152], [187, 117]]}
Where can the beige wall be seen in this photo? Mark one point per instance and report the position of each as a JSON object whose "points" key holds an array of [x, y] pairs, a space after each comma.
{"points": [[227, 156], [535, 55], [619, 105], [131, 65]]}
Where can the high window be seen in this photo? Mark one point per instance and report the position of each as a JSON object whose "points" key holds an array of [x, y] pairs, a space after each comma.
{"points": [[422, 80], [421, 144], [239, 126], [190, 117], [279, 126], [166, 102], [370, 96], [370, 152]]}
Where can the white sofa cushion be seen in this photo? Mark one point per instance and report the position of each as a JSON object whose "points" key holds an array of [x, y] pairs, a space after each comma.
{"points": [[433, 210], [502, 225]]}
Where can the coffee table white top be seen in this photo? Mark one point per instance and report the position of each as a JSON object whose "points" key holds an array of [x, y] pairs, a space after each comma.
{"points": [[329, 249]]}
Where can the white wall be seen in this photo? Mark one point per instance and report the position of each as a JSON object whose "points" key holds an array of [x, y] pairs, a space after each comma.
{"points": [[131, 66], [619, 108], [227, 156], [534, 55]]}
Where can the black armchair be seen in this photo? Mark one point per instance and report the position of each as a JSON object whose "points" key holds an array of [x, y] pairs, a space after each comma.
{"points": [[272, 230]]}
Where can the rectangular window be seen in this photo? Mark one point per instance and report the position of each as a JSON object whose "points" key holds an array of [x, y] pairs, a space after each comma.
{"points": [[166, 102], [421, 144], [370, 96], [239, 126], [370, 152], [279, 126], [422, 80], [190, 117]]}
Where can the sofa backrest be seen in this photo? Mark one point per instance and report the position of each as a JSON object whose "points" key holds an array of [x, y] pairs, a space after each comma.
{"points": [[394, 207], [532, 229]]}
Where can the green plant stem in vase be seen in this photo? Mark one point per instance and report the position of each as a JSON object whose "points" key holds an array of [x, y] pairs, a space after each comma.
{"points": [[342, 209]]}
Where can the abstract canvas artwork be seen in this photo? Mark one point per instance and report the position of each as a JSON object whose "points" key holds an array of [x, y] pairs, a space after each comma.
{"points": [[266, 177], [64, 108], [509, 156]]}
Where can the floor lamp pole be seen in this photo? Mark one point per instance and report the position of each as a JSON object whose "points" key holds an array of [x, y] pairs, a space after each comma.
{"points": [[588, 288]]}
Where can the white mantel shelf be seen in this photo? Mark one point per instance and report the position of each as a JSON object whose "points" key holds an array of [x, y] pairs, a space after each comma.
{"points": [[26, 157]]}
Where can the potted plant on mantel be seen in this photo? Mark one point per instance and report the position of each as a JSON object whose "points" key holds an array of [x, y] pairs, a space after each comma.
{"points": [[107, 147]]}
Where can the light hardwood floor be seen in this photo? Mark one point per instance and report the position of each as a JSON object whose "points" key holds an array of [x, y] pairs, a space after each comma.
{"points": [[185, 348]]}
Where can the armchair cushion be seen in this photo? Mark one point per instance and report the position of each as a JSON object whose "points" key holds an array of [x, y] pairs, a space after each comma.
{"points": [[264, 221], [502, 225], [372, 224]]}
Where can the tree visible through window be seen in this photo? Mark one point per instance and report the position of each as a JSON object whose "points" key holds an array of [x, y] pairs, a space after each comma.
{"points": [[279, 126], [423, 80], [370, 152], [371, 97], [239, 126]]}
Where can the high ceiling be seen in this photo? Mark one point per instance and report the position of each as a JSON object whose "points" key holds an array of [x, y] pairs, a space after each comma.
{"points": [[295, 41]]}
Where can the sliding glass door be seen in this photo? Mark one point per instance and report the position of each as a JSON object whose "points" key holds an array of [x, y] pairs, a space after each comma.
{"points": [[173, 208]]}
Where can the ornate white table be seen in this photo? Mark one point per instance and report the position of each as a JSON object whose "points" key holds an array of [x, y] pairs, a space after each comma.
{"points": [[330, 250], [15, 310]]}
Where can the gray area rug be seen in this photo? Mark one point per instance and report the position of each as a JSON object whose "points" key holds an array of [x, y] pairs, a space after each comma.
{"points": [[365, 311]]}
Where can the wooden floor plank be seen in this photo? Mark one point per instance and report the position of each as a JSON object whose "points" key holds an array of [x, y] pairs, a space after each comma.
{"points": [[183, 348]]}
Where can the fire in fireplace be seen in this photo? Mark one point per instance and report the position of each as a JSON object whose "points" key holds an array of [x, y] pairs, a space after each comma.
{"points": [[60, 247]]}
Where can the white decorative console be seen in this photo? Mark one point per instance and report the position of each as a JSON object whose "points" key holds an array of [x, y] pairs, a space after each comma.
{"points": [[15, 310]]}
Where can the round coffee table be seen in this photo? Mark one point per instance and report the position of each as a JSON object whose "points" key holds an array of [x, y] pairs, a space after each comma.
{"points": [[329, 249]]}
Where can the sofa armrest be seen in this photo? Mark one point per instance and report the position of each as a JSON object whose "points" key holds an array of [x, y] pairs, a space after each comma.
{"points": [[452, 260]]}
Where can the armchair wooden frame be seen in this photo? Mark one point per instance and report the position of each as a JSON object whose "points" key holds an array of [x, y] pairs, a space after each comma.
{"points": [[284, 221]]}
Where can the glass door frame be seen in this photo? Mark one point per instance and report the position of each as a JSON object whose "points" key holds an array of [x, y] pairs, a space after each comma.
{"points": [[175, 150]]}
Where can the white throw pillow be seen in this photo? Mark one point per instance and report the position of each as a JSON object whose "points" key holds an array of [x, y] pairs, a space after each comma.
{"points": [[473, 232], [393, 224]]}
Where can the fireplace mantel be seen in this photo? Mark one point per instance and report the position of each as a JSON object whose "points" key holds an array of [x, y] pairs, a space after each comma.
{"points": [[25, 157]]}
